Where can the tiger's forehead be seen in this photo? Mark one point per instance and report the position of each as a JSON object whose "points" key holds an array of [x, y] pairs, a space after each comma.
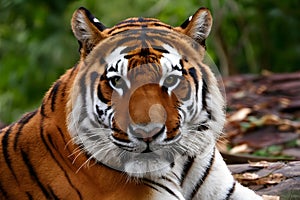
{"points": [[165, 49], [136, 23], [161, 60]]}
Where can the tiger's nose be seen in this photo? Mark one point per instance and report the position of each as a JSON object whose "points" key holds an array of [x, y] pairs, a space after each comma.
{"points": [[148, 132]]}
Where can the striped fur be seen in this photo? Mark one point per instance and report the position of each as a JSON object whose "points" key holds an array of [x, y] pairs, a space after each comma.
{"points": [[137, 118]]}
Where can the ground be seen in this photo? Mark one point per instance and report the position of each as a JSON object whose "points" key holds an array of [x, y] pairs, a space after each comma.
{"points": [[263, 124]]}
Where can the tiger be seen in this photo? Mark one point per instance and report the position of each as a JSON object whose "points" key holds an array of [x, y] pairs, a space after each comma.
{"points": [[137, 117]]}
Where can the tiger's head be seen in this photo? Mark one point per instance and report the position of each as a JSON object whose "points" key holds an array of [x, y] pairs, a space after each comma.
{"points": [[143, 97]]}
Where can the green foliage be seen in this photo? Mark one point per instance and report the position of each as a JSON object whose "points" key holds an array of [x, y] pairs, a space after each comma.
{"points": [[37, 45], [273, 151]]}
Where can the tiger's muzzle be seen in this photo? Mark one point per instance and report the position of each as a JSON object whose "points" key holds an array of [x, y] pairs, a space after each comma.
{"points": [[146, 114]]}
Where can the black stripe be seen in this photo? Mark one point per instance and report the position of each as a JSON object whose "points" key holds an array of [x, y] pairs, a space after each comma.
{"points": [[55, 197], [3, 193], [182, 65], [162, 186], [230, 192], [59, 165], [107, 109], [132, 35], [117, 66], [151, 186], [42, 111], [30, 197], [74, 69], [119, 131], [53, 94], [122, 28], [129, 27], [193, 74], [121, 140], [161, 49], [202, 127], [204, 94], [134, 20], [110, 117], [6, 152], [33, 174], [162, 25], [204, 87], [62, 134], [135, 23], [183, 112], [177, 177], [99, 112], [100, 95], [167, 179], [202, 179], [168, 132], [186, 168], [63, 90], [164, 89], [23, 121]]}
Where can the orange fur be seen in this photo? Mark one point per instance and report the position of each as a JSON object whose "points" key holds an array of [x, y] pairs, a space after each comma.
{"points": [[38, 157], [57, 169]]}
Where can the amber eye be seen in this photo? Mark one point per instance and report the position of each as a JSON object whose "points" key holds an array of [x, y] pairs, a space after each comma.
{"points": [[117, 82], [170, 81]]}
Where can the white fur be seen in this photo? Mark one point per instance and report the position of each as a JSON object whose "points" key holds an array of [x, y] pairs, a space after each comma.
{"points": [[96, 20], [200, 30], [192, 143], [83, 31]]}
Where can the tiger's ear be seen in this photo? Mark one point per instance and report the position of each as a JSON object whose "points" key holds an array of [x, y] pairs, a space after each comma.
{"points": [[198, 26], [87, 29]]}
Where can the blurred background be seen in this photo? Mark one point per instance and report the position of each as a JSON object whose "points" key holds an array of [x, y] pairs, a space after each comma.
{"points": [[37, 44]]}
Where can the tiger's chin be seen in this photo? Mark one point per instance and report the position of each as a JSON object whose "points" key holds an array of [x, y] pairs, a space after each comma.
{"points": [[146, 169], [147, 166]]}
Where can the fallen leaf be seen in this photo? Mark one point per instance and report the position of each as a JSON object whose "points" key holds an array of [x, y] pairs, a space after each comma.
{"points": [[261, 89], [270, 119], [239, 115], [243, 148], [261, 164], [270, 179], [268, 197], [246, 176]]}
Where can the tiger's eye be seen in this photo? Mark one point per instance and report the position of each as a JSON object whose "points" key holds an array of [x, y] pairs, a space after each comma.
{"points": [[170, 81], [118, 82]]}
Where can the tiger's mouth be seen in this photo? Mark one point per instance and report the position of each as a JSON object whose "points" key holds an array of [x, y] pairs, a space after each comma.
{"points": [[147, 152], [162, 154], [145, 139]]}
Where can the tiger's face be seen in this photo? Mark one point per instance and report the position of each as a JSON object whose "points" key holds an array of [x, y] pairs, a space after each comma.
{"points": [[142, 97]]}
